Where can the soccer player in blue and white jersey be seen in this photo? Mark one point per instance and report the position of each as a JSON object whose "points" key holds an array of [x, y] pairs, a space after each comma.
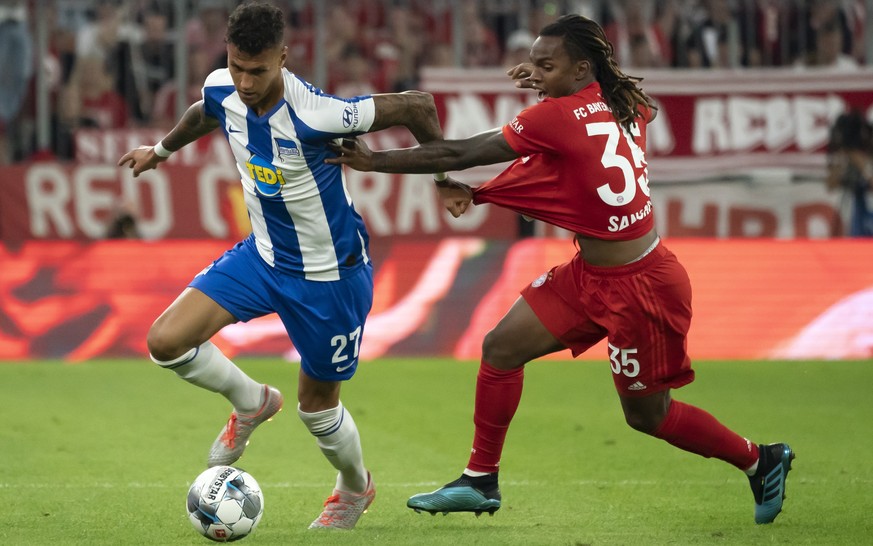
{"points": [[307, 258]]}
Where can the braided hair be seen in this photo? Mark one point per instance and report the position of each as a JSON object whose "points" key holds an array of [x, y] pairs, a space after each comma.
{"points": [[585, 39]]}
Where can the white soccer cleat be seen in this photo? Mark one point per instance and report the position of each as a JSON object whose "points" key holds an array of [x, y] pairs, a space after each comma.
{"points": [[342, 510], [234, 437]]}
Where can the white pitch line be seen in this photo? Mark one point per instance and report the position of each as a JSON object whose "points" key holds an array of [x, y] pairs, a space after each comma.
{"points": [[398, 485]]}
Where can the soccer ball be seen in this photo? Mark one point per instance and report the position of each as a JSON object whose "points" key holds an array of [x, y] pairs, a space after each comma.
{"points": [[225, 503]]}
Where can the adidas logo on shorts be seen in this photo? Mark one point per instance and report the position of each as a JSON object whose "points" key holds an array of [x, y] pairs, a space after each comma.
{"points": [[637, 387]]}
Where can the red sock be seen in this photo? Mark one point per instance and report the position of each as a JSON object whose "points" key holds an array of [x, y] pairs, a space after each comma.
{"points": [[695, 430], [498, 393]]}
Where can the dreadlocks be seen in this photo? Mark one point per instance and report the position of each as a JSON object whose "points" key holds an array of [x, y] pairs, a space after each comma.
{"points": [[584, 39]]}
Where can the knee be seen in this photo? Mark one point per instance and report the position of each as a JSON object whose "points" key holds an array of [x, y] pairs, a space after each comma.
{"points": [[497, 353], [163, 345], [645, 422], [314, 396], [489, 348], [645, 414]]}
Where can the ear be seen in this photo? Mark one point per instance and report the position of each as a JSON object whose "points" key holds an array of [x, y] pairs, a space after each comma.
{"points": [[583, 69]]}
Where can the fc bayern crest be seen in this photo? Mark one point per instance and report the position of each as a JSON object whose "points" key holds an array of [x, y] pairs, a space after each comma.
{"points": [[539, 281]]}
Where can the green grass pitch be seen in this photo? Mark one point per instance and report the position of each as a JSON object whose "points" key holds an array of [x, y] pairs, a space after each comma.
{"points": [[103, 453]]}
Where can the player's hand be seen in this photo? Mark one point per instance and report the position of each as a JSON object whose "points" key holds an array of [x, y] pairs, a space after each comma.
{"points": [[456, 196], [520, 74], [141, 159], [353, 152]]}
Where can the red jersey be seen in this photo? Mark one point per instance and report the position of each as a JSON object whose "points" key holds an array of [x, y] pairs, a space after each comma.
{"points": [[579, 170]]}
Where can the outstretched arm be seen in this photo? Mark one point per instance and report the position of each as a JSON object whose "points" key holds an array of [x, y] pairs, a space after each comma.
{"points": [[434, 156], [417, 112], [193, 125]]}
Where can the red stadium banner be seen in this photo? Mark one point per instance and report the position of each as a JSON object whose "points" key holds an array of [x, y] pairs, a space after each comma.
{"points": [[51, 200], [179, 201], [711, 123], [731, 154], [753, 299]]}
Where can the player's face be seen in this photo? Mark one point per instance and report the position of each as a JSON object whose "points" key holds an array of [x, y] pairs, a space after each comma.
{"points": [[555, 74], [257, 78]]}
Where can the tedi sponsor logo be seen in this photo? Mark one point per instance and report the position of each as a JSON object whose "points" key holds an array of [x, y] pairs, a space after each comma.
{"points": [[267, 178]]}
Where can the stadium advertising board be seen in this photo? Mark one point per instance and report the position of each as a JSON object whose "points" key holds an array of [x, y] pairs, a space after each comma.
{"points": [[753, 299]]}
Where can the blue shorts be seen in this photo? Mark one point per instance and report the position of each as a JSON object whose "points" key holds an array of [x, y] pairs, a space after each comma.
{"points": [[324, 319]]}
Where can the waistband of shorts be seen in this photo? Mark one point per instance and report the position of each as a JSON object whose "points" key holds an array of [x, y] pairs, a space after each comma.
{"points": [[652, 257]]}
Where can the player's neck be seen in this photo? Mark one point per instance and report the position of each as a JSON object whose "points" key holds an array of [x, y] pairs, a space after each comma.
{"points": [[270, 100]]}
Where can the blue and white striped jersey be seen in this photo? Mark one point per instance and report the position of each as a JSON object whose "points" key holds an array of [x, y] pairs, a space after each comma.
{"points": [[303, 219]]}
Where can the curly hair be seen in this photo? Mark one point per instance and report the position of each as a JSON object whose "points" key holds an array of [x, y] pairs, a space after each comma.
{"points": [[254, 27], [585, 39]]}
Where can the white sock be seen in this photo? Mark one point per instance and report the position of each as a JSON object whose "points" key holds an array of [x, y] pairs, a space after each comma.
{"points": [[208, 368], [474, 473], [337, 437], [752, 469]]}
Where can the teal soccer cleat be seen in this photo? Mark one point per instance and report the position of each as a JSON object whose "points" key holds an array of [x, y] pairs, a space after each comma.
{"points": [[465, 494], [768, 483]]}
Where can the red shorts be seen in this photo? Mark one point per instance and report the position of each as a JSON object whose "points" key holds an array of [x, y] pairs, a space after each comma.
{"points": [[643, 309]]}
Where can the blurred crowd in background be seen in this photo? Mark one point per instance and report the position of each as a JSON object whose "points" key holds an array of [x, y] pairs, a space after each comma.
{"points": [[116, 63]]}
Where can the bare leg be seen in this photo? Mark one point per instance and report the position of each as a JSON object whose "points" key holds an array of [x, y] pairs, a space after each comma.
{"points": [[179, 340], [187, 323], [518, 338], [315, 395]]}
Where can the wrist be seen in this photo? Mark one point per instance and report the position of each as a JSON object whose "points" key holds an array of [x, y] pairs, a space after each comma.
{"points": [[441, 180], [160, 151]]}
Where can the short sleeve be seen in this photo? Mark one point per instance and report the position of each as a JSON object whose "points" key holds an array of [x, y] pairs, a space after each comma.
{"points": [[216, 88], [532, 131], [328, 116]]}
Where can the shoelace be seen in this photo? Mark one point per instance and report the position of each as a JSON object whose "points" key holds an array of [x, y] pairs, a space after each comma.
{"points": [[229, 438], [327, 517]]}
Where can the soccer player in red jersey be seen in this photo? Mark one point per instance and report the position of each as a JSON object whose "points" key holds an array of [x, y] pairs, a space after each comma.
{"points": [[579, 164]]}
